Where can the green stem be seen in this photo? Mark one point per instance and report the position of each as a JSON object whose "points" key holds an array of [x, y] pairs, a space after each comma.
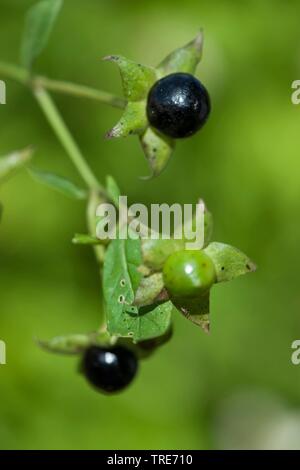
{"points": [[16, 73], [81, 91], [58, 125], [94, 200], [21, 75]]}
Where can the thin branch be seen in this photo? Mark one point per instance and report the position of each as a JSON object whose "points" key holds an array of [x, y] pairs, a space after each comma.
{"points": [[62, 132], [21, 75]]}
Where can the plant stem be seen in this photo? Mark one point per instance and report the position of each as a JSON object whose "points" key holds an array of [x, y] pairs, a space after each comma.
{"points": [[81, 91], [94, 200], [16, 73], [21, 75], [58, 125]]}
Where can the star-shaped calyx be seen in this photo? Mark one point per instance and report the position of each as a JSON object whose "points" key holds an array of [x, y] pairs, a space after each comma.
{"points": [[228, 261], [137, 81]]}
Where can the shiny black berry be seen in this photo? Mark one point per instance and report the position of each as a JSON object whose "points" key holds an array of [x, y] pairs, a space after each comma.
{"points": [[109, 369], [178, 105]]}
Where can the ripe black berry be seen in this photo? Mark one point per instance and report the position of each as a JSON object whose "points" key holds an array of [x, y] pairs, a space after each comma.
{"points": [[178, 105], [109, 369]]}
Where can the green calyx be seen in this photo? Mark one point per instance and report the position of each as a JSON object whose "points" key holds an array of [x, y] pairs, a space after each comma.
{"points": [[137, 79]]}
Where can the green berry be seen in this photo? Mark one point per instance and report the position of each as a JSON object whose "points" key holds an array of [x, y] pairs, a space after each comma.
{"points": [[188, 273]]}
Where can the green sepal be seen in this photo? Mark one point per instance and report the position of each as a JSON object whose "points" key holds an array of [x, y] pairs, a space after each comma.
{"points": [[113, 190], [149, 290], [195, 310], [155, 252], [133, 121], [136, 78], [208, 226], [229, 261], [185, 59], [75, 343], [158, 149]]}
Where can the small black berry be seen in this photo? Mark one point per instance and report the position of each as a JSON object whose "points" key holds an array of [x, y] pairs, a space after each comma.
{"points": [[178, 105], [109, 369]]}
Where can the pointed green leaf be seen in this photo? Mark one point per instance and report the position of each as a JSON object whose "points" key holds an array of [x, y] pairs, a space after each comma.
{"points": [[58, 183], [39, 22], [229, 261], [13, 162], [196, 310], [113, 190], [121, 279], [158, 150], [185, 59], [137, 78], [133, 121], [148, 322]]}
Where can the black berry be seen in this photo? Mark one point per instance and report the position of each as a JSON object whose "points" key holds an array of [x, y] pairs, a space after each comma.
{"points": [[178, 105], [109, 369]]}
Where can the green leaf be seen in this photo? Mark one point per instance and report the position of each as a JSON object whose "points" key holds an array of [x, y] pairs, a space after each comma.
{"points": [[113, 190], [136, 78], [148, 322], [158, 150], [58, 183], [196, 310], [39, 22], [85, 239], [185, 59], [13, 162], [121, 279], [133, 121], [229, 261]]}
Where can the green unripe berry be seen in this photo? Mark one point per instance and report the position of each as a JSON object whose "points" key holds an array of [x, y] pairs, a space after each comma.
{"points": [[188, 273]]}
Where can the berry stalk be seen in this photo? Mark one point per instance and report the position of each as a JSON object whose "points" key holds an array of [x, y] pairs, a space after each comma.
{"points": [[22, 76]]}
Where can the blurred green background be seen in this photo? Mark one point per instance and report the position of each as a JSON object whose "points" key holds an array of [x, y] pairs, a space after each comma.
{"points": [[222, 390]]}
